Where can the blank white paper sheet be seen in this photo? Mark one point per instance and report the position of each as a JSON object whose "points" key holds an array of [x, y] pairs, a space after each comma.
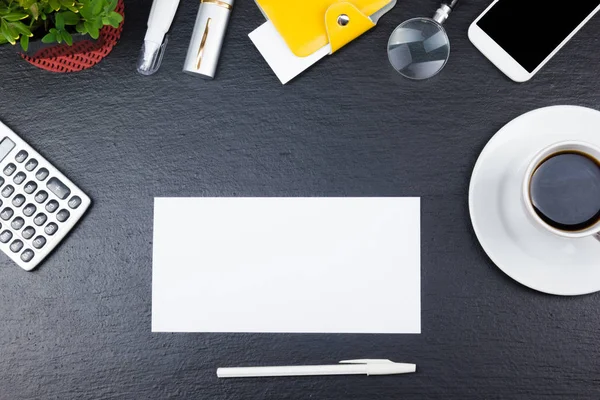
{"points": [[301, 265]]}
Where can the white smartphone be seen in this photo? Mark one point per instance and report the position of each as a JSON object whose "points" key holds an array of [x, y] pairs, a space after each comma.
{"points": [[520, 36]]}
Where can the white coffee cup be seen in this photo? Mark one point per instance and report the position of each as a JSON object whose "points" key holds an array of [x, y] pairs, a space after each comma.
{"points": [[584, 148]]}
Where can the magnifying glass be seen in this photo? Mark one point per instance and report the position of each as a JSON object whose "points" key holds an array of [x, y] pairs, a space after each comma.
{"points": [[419, 48]]}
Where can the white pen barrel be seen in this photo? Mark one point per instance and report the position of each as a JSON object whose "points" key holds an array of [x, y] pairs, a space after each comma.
{"points": [[253, 372]]}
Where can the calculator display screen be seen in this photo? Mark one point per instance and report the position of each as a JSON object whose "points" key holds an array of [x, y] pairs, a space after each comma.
{"points": [[530, 30], [6, 145]]}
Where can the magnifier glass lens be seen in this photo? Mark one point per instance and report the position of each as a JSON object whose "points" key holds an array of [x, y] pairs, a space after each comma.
{"points": [[419, 48]]}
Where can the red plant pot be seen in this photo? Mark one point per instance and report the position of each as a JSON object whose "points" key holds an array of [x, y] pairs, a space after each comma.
{"points": [[81, 55]]}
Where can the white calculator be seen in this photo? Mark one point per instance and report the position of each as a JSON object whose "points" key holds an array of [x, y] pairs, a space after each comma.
{"points": [[38, 204]]}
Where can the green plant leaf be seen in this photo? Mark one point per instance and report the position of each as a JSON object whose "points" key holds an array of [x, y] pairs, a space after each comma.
{"points": [[35, 10], [92, 29], [49, 38], [21, 28], [72, 8], [111, 6], [25, 42], [6, 34], [67, 37], [9, 31], [115, 19], [57, 35], [70, 18], [86, 12], [97, 6], [3, 40], [46, 7], [25, 4], [14, 16], [81, 28], [54, 4], [59, 21]]}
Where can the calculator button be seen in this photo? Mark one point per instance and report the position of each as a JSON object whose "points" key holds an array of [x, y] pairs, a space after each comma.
{"points": [[18, 200], [51, 228], [52, 206], [41, 196], [63, 215], [75, 202], [21, 156], [58, 188], [1, 181], [29, 210], [40, 219], [8, 191], [31, 164], [39, 242], [27, 255], [6, 146], [5, 236], [30, 187], [17, 223], [28, 232], [19, 177], [7, 213], [42, 174], [16, 246], [10, 169]]}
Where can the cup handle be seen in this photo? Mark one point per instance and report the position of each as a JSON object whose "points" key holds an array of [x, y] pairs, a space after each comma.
{"points": [[597, 236]]}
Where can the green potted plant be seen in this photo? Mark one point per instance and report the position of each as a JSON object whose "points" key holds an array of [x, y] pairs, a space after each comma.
{"points": [[54, 21]]}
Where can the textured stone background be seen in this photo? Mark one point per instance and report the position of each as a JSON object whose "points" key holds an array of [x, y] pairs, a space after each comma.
{"points": [[79, 327]]}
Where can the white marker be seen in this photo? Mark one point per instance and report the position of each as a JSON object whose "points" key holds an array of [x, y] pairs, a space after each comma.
{"points": [[349, 367]]}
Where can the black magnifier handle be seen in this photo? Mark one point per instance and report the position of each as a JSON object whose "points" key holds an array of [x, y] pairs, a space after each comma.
{"points": [[451, 3], [442, 13]]}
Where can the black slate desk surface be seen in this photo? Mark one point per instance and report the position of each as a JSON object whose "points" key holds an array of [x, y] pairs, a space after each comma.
{"points": [[79, 326]]}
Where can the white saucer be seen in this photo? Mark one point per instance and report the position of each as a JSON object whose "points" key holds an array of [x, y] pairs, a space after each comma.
{"points": [[524, 251]]}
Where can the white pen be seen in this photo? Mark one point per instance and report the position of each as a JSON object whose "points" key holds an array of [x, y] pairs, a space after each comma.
{"points": [[155, 41], [349, 367]]}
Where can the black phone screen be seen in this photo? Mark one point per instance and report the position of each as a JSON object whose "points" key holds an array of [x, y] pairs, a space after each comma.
{"points": [[530, 30]]}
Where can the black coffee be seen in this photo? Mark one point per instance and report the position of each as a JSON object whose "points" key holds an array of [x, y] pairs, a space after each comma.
{"points": [[565, 191]]}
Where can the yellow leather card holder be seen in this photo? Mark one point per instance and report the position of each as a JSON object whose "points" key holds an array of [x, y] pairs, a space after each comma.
{"points": [[308, 25]]}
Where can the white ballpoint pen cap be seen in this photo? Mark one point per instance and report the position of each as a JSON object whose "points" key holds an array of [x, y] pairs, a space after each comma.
{"points": [[383, 367], [155, 41]]}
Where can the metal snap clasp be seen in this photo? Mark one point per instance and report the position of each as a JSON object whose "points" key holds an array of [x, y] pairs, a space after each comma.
{"points": [[343, 20]]}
